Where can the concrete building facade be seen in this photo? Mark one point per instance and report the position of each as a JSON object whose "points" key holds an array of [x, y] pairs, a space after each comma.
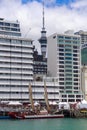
{"points": [[16, 62], [16, 67], [64, 62]]}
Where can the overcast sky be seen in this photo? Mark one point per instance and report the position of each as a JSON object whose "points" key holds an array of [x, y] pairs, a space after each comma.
{"points": [[60, 15]]}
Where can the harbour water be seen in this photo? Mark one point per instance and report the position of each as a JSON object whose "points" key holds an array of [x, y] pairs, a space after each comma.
{"points": [[44, 124]]}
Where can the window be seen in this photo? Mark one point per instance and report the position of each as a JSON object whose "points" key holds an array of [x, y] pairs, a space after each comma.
{"points": [[71, 100], [75, 67], [64, 100], [68, 41], [61, 58], [64, 96], [68, 78], [67, 37], [67, 70], [68, 87], [61, 62], [4, 40], [61, 54], [75, 42], [1, 23], [74, 54], [68, 54], [61, 83], [61, 79], [68, 91], [75, 71], [75, 79], [61, 66], [15, 25], [61, 75], [61, 49], [61, 70], [75, 47], [61, 87], [60, 40], [67, 45], [71, 96], [68, 83], [60, 37], [78, 96], [68, 58], [75, 63], [67, 50], [68, 62], [75, 75], [75, 51], [74, 38], [13, 29], [61, 45], [75, 83], [76, 59], [76, 88], [7, 24], [68, 66], [69, 75]]}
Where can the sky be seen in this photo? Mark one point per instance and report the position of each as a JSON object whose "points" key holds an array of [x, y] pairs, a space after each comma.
{"points": [[60, 15]]}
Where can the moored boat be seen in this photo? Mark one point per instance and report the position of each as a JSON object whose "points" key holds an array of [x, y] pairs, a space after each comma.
{"points": [[16, 115]]}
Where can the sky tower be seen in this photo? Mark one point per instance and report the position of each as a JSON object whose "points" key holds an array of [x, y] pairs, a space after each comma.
{"points": [[43, 39]]}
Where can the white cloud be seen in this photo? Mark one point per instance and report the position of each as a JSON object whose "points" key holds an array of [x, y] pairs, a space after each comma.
{"points": [[79, 4], [57, 18]]}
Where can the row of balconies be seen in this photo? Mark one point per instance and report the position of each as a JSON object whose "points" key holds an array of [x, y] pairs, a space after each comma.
{"points": [[12, 44], [16, 61], [16, 50], [11, 55], [15, 66]]}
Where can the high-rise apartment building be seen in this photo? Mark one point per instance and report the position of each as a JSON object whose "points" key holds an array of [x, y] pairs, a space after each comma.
{"points": [[16, 63], [64, 62], [11, 28]]}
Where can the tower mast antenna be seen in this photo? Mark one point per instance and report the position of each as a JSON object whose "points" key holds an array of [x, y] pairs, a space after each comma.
{"points": [[43, 39], [43, 16]]}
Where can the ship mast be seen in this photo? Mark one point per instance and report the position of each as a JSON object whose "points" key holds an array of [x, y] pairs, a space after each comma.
{"points": [[30, 97], [46, 97]]}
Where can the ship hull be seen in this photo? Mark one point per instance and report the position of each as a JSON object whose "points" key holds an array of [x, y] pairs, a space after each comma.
{"points": [[44, 116]]}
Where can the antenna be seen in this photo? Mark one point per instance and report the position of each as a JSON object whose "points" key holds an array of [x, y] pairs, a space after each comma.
{"points": [[43, 16]]}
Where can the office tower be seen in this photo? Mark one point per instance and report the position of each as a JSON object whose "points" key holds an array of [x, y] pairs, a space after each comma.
{"points": [[64, 62]]}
